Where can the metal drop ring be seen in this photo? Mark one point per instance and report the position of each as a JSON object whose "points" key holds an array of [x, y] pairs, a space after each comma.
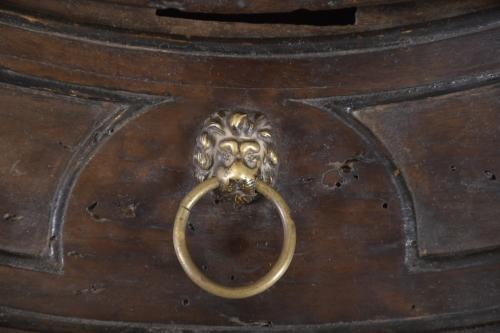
{"points": [[277, 270]]}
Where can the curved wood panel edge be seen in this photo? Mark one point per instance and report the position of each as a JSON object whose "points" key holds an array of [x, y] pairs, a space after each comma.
{"points": [[131, 105]]}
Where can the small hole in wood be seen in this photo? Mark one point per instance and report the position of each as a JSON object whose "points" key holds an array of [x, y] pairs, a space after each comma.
{"points": [[96, 217], [11, 217], [346, 168], [385, 205], [64, 146], [490, 175], [92, 206]]}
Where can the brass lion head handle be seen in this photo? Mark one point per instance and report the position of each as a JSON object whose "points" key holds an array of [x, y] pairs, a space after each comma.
{"points": [[235, 157], [238, 149]]}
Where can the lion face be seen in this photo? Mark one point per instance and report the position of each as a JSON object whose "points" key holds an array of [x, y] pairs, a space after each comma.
{"points": [[237, 148]]}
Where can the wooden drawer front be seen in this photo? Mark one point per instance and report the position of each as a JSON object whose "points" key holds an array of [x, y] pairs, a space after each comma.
{"points": [[389, 162]]}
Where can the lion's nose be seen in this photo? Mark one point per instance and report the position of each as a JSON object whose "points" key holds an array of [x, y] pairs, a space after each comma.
{"points": [[237, 172], [240, 172]]}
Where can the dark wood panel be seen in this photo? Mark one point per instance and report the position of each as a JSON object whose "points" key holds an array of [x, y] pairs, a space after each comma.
{"points": [[474, 322], [111, 61], [39, 133], [150, 162], [351, 247], [351, 191], [447, 149], [230, 26]]}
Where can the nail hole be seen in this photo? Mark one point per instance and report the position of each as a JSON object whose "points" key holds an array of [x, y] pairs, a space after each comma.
{"points": [[331, 178], [490, 175], [307, 180], [92, 206], [185, 301], [385, 205], [93, 215], [232, 277], [12, 217], [64, 146], [453, 168], [346, 168]]}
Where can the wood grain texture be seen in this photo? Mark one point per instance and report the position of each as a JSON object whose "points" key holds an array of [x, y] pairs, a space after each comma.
{"points": [[144, 17], [35, 147], [390, 237], [450, 150], [251, 6], [317, 68]]}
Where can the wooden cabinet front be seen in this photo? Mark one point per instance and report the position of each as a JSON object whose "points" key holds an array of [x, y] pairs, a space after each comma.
{"points": [[387, 131]]}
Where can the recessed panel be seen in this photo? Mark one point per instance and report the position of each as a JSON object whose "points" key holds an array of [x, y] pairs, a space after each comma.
{"points": [[39, 133], [448, 150]]}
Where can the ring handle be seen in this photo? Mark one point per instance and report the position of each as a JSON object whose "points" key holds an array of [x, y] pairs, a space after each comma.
{"points": [[277, 270]]}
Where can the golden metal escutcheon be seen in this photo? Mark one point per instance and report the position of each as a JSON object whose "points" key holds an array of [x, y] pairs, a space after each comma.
{"points": [[235, 157]]}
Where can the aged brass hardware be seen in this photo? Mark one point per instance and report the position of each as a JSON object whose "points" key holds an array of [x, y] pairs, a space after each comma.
{"points": [[199, 278], [237, 148], [235, 157]]}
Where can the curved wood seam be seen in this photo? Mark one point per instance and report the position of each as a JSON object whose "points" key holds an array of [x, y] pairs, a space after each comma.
{"points": [[311, 5], [382, 155], [22, 319], [351, 103], [281, 48], [71, 90], [343, 106], [128, 107]]}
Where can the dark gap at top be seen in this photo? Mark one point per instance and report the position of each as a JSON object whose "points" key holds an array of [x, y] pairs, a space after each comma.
{"points": [[333, 17]]}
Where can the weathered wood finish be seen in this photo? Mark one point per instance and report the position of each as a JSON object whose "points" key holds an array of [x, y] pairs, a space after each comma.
{"points": [[390, 140], [143, 17]]}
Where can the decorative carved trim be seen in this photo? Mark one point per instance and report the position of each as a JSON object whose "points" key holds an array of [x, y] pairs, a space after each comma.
{"points": [[342, 107], [130, 106], [463, 321]]}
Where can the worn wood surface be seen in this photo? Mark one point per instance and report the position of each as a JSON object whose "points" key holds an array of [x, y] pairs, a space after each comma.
{"points": [[144, 17], [251, 6], [450, 169], [390, 147]]}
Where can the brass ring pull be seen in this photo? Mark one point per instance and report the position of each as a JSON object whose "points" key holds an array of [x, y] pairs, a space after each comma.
{"points": [[276, 272]]}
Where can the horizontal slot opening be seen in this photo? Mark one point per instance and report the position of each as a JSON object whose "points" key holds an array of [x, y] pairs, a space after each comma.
{"points": [[334, 17]]}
